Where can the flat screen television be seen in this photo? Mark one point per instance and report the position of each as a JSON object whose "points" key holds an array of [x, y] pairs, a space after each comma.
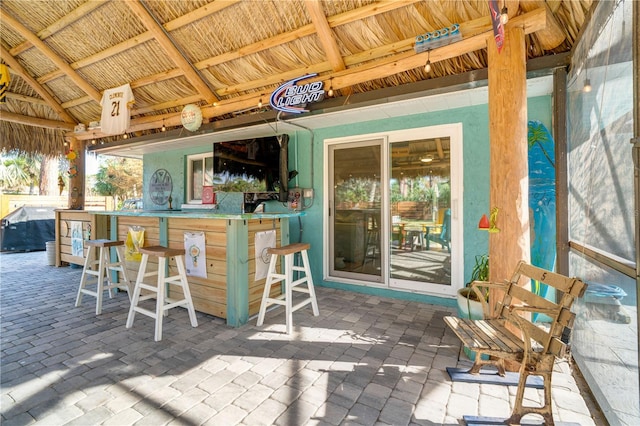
{"points": [[252, 165]]}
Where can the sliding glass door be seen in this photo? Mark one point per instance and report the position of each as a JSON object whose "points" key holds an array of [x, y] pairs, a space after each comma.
{"points": [[394, 210], [355, 217], [420, 193]]}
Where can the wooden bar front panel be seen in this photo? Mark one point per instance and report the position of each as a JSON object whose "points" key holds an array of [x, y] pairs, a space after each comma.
{"points": [[95, 226], [209, 294]]}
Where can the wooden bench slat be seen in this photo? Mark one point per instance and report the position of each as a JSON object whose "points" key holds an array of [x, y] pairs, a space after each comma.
{"points": [[496, 338], [489, 335], [514, 342], [465, 334], [531, 299], [555, 280], [487, 338], [558, 348]]}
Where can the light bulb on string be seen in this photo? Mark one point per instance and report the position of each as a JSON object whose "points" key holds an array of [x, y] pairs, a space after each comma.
{"points": [[587, 82], [504, 15], [330, 92], [163, 128], [260, 102], [427, 66]]}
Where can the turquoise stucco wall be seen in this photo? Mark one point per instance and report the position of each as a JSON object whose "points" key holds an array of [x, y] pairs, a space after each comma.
{"points": [[310, 166], [175, 163]]}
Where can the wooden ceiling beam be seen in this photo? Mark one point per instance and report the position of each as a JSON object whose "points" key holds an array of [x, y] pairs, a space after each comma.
{"points": [[35, 122], [368, 11], [28, 99], [304, 31], [70, 18], [201, 12], [259, 46], [553, 35], [166, 105], [142, 38], [325, 34], [531, 22], [53, 103], [473, 27], [174, 53], [114, 50], [322, 67], [50, 54], [468, 28]]}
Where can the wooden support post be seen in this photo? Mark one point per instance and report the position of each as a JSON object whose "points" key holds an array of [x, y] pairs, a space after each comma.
{"points": [[509, 189], [76, 175]]}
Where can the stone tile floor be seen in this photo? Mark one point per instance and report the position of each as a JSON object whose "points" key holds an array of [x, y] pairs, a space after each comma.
{"points": [[365, 360]]}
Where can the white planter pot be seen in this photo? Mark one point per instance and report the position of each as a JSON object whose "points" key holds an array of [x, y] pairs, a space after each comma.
{"points": [[469, 309]]}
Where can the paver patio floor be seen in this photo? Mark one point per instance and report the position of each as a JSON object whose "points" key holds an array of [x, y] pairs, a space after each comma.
{"points": [[365, 360]]}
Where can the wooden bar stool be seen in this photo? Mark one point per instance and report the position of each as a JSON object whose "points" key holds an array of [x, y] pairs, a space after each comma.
{"points": [[105, 266], [289, 284], [158, 290]]}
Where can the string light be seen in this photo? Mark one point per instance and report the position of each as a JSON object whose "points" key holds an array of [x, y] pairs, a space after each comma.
{"points": [[260, 102], [587, 83], [125, 136], [504, 14], [427, 66], [93, 141], [163, 128], [330, 92]]}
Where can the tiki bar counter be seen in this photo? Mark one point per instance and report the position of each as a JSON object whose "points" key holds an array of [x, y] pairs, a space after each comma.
{"points": [[223, 282]]}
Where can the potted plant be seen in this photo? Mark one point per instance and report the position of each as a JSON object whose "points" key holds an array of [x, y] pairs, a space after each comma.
{"points": [[469, 304], [466, 295]]}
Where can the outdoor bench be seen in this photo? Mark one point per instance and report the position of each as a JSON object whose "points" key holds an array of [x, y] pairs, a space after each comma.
{"points": [[525, 328]]}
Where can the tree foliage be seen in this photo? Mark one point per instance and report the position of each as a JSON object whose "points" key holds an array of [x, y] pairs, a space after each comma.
{"points": [[19, 171], [120, 178]]}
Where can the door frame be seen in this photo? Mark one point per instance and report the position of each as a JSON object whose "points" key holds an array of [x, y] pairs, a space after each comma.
{"points": [[355, 277], [454, 132]]}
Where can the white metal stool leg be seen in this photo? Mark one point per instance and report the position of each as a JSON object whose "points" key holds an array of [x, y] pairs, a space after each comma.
{"points": [[103, 272], [272, 277], [186, 291], [310, 287], [136, 290], [86, 273], [286, 299], [288, 311], [119, 266], [158, 291]]}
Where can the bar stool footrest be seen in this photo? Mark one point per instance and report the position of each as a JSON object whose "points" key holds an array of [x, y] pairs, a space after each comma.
{"points": [[144, 311], [288, 252], [301, 305], [159, 290]]}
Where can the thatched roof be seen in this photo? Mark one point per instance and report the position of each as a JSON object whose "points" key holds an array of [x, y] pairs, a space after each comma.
{"points": [[226, 55]]}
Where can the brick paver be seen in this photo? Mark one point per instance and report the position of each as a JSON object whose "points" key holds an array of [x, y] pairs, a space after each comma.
{"points": [[365, 360]]}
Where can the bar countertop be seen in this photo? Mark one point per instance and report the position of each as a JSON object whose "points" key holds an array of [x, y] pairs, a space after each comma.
{"points": [[198, 214]]}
